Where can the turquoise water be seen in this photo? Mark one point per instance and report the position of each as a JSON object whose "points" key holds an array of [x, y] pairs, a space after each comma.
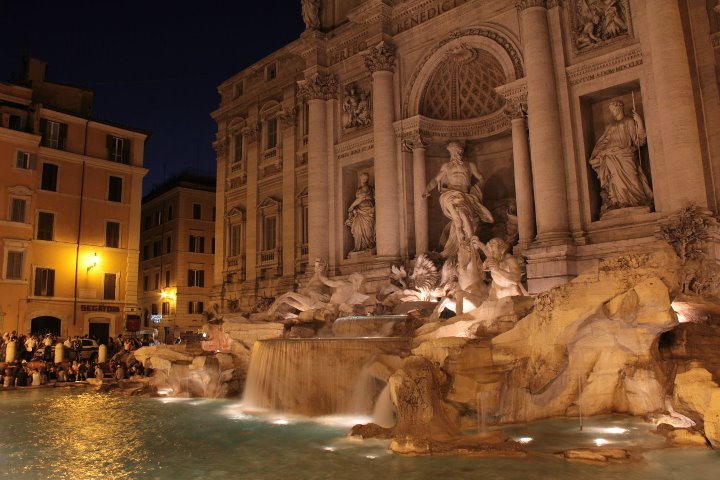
{"points": [[75, 434]]}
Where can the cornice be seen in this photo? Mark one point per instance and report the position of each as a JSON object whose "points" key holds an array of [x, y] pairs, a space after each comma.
{"points": [[606, 65]]}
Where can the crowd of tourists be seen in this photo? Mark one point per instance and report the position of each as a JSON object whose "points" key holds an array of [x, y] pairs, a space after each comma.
{"points": [[34, 361]]}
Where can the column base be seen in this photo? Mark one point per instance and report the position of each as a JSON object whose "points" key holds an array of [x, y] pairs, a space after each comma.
{"points": [[550, 265]]}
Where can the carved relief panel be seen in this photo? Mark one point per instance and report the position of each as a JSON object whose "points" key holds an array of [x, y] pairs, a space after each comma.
{"points": [[356, 106], [596, 23]]}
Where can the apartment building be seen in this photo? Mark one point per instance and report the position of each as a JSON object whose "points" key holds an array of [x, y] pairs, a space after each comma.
{"points": [[70, 196]]}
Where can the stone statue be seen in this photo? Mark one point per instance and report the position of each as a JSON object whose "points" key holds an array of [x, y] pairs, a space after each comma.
{"points": [[616, 160], [361, 216], [504, 269], [311, 14], [461, 201], [316, 294], [346, 293]]}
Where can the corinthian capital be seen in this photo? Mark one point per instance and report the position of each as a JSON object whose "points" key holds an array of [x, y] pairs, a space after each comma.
{"points": [[380, 57], [415, 141], [524, 4], [322, 86], [515, 110]]}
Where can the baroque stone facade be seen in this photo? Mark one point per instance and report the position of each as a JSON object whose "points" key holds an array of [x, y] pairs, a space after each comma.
{"points": [[526, 89]]}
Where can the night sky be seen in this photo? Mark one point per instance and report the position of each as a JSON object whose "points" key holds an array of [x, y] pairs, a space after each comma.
{"points": [[154, 65]]}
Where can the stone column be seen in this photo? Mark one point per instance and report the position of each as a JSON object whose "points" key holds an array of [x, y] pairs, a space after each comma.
{"points": [[675, 104], [380, 60], [546, 145], [251, 135], [220, 146], [418, 145], [523, 174], [287, 124], [317, 89]]}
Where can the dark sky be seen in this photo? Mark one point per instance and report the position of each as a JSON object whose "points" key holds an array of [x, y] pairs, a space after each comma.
{"points": [[153, 64]]}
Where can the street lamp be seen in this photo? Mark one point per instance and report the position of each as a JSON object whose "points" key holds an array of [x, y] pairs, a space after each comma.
{"points": [[93, 262], [170, 295]]}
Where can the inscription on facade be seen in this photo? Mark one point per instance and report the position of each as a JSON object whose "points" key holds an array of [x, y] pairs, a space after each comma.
{"points": [[414, 18], [99, 308], [356, 150], [346, 51]]}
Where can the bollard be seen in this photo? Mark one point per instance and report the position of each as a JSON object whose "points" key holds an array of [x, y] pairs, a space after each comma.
{"points": [[102, 353], [10, 352], [59, 352]]}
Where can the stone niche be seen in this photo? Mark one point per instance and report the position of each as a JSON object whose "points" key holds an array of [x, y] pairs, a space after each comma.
{"points": [[350, 182], [493, 158], [596, 116]]}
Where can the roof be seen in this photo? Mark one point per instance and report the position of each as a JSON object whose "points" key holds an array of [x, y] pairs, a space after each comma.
{"points": [[192, 179]]}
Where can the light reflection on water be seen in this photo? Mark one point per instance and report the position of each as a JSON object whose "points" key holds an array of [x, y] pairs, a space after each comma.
{"points": [[76, 434]]}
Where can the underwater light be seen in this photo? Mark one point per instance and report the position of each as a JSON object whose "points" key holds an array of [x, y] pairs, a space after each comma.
{"points": [[615, 430], [525, 440], [600, 442], [329, 449], [371, 457], [281, 421]]}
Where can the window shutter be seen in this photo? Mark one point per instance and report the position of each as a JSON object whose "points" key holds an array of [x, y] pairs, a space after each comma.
{"points": [[201, 278], [202, 245], [126, 151], [43, 130], [109, 144], [51, 283], [63, 136], [38, 282], [33, 161], [191, 278]]}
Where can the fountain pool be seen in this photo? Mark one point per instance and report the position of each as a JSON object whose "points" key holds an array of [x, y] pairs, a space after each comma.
{"points": [[70, 433]]}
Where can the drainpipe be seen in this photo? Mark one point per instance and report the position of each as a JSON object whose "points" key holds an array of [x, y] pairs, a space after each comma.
{"points": [[79, 229]]}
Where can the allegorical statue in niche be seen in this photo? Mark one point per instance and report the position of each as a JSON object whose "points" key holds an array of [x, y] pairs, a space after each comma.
{"points": [[460, 199], [616, 161], [361, 216], [504, 269], [311, 14]]}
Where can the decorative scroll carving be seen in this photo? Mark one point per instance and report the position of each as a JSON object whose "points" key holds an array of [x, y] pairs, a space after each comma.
{"points": [[220, 146], [356, 107], [322, 86], [598, 22], [381, 57], [415, 141], [250, 131], [589, 71]]}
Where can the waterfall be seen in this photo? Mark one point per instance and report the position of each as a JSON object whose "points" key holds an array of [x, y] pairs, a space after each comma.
{"points": [[366, 326], [317, 376]]}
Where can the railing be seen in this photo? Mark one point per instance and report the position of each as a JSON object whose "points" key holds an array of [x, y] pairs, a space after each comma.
{"points": [[269, 257], [272, 153], [304, 249], [236, 166]]}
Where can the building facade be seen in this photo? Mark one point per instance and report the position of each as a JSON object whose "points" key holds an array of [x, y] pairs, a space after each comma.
{"points": [[177, 255], [589, 122], [70, 197]]}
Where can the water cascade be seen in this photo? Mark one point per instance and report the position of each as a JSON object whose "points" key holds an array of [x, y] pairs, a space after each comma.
{"points": [[318, 376], [366, 326]]}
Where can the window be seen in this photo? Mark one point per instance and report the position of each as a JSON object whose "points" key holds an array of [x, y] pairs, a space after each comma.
{"points": [[24, 160], [44, 282], [148, 222], [166, 308], [15, 122], [109, 284], [197, 211], [146, 283], [157, 281], [305, 233], [214, 213], [238, 89], [167, 278], [168, 244], [17, 210], [169, 212], [234, 240], [112, 234], [196, 278], [196, 307], [271, 71], [115, 189], [45, 226], [212, 250], [159, 217], [13, 267], [197, 244], [269, 232], [118, 149], [146, 251], [238, 150], [153, 309], [54, 134], [271, 139], [306, 118], [157, 248], [49, 177]]}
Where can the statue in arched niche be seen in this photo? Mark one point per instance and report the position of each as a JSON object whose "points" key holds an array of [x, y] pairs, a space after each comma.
{"points": [[460, 199], [616, 160], [361, 216]]}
